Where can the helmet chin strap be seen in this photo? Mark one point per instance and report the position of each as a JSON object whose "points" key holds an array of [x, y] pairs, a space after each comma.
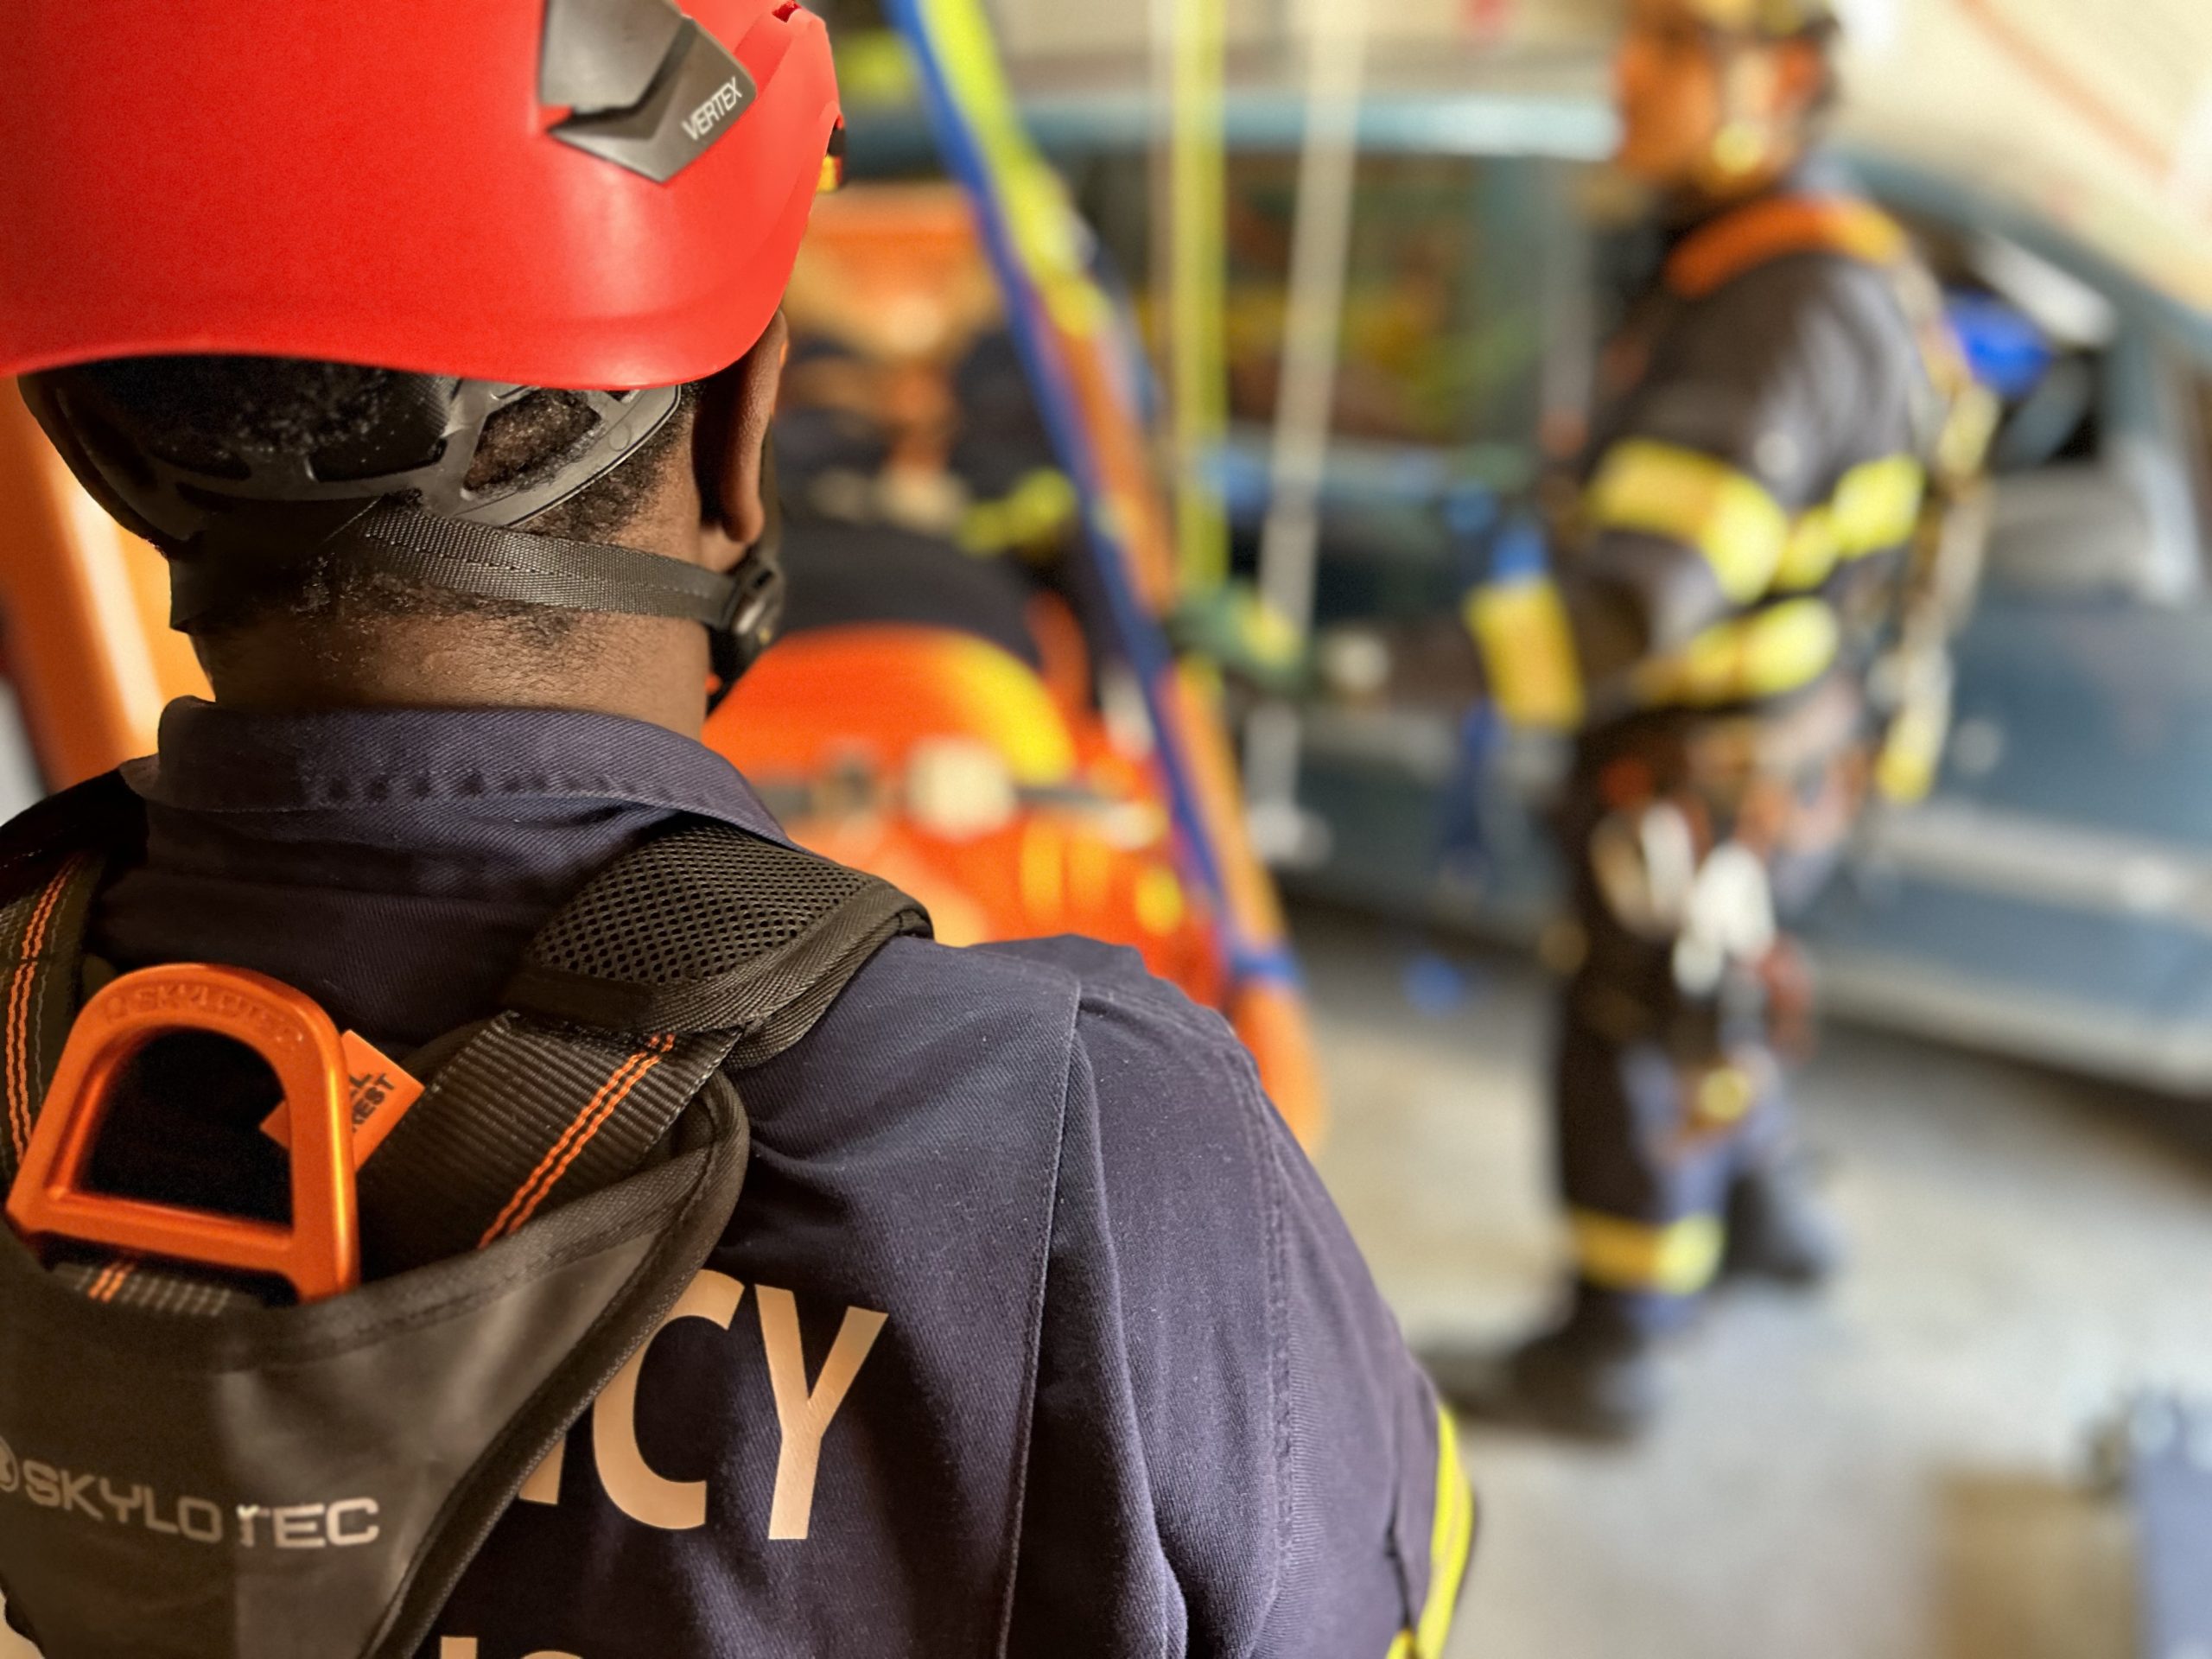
{"points": [[1742, 144], [742, 609], [1745, 146], [1761, 135]]}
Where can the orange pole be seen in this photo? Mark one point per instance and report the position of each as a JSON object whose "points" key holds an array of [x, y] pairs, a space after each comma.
{"points": [[85, 607]]}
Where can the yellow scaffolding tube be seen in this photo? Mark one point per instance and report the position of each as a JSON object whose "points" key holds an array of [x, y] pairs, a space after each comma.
{"points": [[1191, 46]]}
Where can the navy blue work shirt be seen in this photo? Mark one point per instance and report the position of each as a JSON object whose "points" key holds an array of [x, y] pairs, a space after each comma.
{"points": [[1034, 1333]]}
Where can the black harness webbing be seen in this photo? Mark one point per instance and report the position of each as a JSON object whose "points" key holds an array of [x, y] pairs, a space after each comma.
{"points": [[569, 1165], [42, 946], [704, 946]]}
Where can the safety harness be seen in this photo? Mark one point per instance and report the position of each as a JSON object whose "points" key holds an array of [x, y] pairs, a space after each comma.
{"points": [[1775, 227], [1931, 502], [1911, 685], [190, 1467]]}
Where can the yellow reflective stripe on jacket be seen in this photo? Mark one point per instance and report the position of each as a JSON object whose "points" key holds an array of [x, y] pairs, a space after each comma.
{"points": [[1726, 515], [1813, 553], [1677, 1259], [1450, 1544], [1037, 511], [1876, 508], [1527, 650], [1769, 653]]}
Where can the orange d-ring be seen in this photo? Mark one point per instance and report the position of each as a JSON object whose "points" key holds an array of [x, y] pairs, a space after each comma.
{"points": [[320, 1252]]}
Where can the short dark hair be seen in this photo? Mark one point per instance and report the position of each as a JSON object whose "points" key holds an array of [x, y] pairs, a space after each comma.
{"points": [[196, 411]]}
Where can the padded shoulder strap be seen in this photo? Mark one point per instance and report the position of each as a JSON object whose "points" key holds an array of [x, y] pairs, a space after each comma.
{"points": [[100, 815], [51, 858], [1775, 227], [705, 949], [709, 929]]}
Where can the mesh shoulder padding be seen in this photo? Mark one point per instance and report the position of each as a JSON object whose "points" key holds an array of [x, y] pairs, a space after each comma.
{"points": [[708, 928], [705, 901], [704, 949]]}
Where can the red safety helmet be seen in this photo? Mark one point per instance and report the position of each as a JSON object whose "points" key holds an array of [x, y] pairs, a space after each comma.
{"points": [[487, 196], [421, 185]]}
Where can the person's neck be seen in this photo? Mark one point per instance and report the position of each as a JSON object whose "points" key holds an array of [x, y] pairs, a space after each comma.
{"points": [[639, 668]]}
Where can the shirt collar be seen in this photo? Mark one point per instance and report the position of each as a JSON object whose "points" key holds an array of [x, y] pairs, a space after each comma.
{"points": [[1816, 174], [222, 760]]}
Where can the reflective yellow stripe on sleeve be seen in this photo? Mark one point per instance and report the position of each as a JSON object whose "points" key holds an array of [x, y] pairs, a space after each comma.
{"points": [[1769, 653], [1812, 554], [1876, 507], [1728, 516], [1912, 757], [1527, 650], [1037, 511], [1677, 1259], [1450, 1544]]}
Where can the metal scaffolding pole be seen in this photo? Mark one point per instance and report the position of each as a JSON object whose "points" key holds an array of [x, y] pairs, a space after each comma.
{"points": [[1190, 62], [1337, 37]]}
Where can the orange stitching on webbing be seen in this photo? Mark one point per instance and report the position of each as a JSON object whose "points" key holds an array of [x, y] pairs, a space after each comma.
{"points": [[97, 1291], [588, 1123], [19, 997], [110, 1283]]}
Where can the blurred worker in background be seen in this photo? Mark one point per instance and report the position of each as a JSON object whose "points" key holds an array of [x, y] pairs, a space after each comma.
{"points": [[1748, 630]]}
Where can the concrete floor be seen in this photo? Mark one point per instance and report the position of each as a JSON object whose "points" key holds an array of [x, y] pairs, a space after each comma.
{"points": [[1896, 1472]]}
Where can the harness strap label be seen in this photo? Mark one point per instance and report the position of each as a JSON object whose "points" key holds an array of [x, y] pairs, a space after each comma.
{"points": [[381, 1092]]}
